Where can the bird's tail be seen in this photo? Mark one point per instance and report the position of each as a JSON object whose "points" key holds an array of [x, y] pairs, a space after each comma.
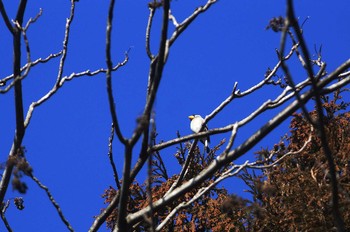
{"points": [[206, 145]]}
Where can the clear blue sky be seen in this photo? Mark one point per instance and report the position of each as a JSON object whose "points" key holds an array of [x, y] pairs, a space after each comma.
{"points": [[67, 139]]}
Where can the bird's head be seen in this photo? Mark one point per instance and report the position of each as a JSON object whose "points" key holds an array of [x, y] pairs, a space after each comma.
{"points": [[191, 117]]}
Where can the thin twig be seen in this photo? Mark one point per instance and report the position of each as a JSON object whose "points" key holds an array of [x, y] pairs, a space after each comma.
{"points": [[199, 193], [182, 26], [286, 69], [65, 43], [151, 217], [33, 20], [143, 125], [148, 33], [232, 138], [32, 64], [53, 201], [233, 94], [4, 207], [110, 156], [59, 81], [345, 81], [191, 151], [237, 94], [155, 75], [269, 104], [268, 77], [26, 42], [255, 165], [55, 88], [173, 19], [185, 168], [6, 18]]}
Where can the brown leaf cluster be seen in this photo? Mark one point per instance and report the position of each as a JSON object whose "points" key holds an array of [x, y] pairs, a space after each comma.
{"points": [[296, 194], [207, 213]]}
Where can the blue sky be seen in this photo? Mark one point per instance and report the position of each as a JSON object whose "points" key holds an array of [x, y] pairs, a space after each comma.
{"points": [[67, 138]]}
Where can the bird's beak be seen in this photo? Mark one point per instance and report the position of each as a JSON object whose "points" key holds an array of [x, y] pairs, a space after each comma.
{"points": [[191, 117]]}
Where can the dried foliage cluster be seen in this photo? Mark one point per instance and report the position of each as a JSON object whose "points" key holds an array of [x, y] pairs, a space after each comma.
{"points": [[205, 213], [296, 195]]}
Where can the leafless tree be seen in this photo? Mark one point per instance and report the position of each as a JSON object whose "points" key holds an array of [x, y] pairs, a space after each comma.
{"points": [[311, 88]]}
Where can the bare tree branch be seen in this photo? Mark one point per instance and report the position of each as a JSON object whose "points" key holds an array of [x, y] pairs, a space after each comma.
{"points": [[338, 219], [55, 88], [345, 81], [143, 125], [60, 68], [286, 69], [65, 43], [255, 165], [158, 61], [185, 167], [233, 171], [100, 219], [269, 104], [236, 93], [148, 33], [110, 156], [32, 64], [20, 130], [221, 161], [173, 19], [182, 26], [5, 17], [282, 98], [128, 149], [199, 193], [26, 41], [109, 73], [232, 138]]}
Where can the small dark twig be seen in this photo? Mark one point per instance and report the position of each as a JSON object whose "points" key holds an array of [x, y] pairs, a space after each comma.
{"points": [[53, 201], [5, 17], [160, 168], [185, 167], [150, 176], [286, 69], [148, 32], [4, 207], [26, 42], [110, 156]]}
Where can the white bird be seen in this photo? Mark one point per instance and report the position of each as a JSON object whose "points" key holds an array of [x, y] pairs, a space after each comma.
{"points": [[196, 125]]}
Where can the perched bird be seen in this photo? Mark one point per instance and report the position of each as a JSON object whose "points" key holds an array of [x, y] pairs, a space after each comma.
{"points": [[196, 125]]}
